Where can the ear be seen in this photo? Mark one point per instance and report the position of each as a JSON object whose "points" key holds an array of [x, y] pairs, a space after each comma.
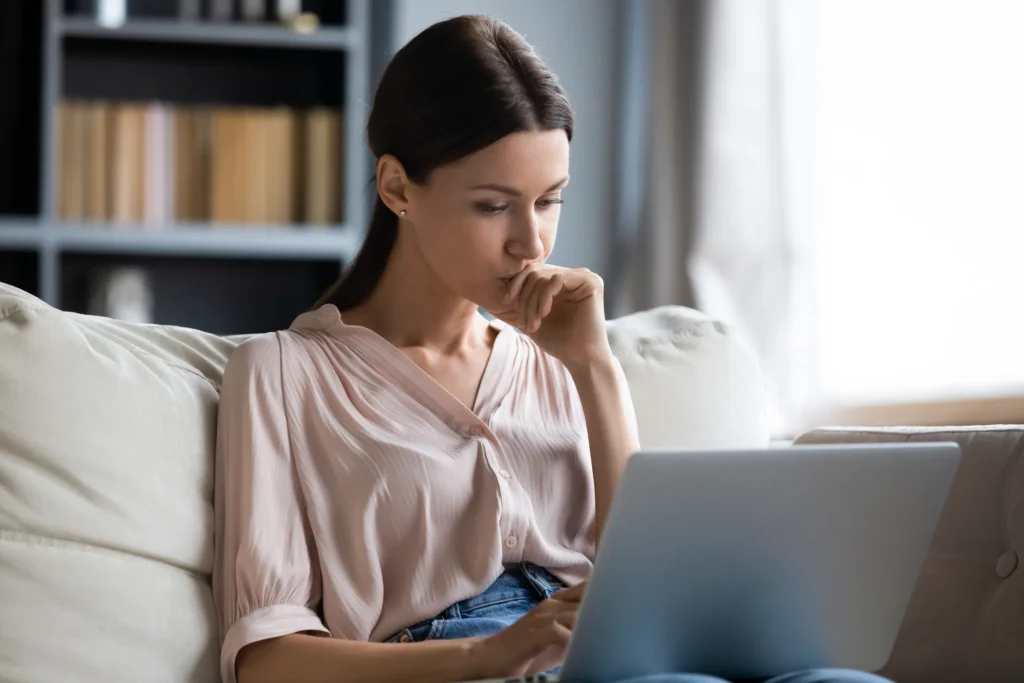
{"points": [[392, 183]]}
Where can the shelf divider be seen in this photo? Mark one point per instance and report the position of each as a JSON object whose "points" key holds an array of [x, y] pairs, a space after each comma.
{"points": [[264, 242]]}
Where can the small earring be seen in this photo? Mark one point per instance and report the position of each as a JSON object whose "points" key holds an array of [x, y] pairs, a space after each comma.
{"points": [[402, 213]]}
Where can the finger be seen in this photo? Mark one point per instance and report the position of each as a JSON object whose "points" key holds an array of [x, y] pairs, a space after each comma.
{"points": [[567, 618], [531, 304], [525, 295], [585, 283], [560, 632], [521, 289], [537, 296], [515, 285], [546, 300], [551, 609], [547, 646], [555, 631]]}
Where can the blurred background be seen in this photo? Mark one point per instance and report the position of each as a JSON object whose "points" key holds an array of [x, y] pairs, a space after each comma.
{"points": [[842, 180]]}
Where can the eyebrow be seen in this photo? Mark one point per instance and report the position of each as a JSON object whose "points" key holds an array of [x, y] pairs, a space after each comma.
{"points": [[505, 189]]}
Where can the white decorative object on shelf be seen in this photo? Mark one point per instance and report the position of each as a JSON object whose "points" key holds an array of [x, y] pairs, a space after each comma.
{"points": [[288, 9], [111, 13], [123, 294]]}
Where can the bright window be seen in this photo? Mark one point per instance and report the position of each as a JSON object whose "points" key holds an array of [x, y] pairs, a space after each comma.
{"points": [[919, 199]]}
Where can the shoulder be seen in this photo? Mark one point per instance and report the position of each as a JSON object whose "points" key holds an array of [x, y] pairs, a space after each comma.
{"points": [[284, 362], [261, 369], [271, 353], [258, 356], [251, 396]]}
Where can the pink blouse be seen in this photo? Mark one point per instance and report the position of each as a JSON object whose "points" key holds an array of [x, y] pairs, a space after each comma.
{"points": [[355, 496]]}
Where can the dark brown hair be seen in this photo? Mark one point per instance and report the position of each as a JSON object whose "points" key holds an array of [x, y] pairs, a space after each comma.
{"points": [[457, 87]]}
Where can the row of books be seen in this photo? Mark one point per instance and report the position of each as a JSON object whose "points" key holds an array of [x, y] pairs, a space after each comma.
{"points": [[113, 12], [155, 164]]}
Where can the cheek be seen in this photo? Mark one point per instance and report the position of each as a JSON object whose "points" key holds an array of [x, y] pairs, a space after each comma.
{"points": [[456, 240], [548, 231], [439, 226]]}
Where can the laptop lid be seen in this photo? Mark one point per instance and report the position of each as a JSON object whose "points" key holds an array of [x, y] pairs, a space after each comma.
{"points": [[749, 564]]}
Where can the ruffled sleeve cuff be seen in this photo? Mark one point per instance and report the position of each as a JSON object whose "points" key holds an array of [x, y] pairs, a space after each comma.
{"points": [[273, 621]]}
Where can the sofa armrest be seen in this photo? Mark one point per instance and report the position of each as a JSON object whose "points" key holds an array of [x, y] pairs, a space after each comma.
{"points": [[965, 621]]}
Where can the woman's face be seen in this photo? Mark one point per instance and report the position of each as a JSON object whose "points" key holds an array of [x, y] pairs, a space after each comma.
{"points": [[483, 219]]}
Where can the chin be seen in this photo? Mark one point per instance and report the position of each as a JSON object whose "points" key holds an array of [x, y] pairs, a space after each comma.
{"points": [[488, 298]]}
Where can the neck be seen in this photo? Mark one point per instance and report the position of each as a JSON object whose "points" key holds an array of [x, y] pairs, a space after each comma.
{"points": [[412, 307]]}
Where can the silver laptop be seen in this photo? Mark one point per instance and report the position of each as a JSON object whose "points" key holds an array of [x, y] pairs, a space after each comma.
{"points": [[750, 564]]}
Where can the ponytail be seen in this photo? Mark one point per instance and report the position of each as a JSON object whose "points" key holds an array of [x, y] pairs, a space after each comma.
{"points": [[358, 282]]}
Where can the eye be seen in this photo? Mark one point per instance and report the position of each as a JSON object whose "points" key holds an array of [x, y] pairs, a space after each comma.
{"points": [[548, 203], [491, 209]]}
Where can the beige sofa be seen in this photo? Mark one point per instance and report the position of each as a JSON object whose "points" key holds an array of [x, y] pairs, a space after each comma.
{"points": [[965, 622], [106, 448]]}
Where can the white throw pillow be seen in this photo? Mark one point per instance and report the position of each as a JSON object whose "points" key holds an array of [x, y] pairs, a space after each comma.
{"points": [[106, 528], [695, 382]]}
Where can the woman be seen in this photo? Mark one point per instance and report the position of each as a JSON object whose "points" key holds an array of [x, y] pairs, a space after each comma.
{"points": [[394, 471]]}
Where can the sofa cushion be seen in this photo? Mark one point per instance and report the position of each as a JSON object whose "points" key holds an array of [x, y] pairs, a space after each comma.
{"points": [[106, 528], [80, 613], [965, 621], [695, 381]]}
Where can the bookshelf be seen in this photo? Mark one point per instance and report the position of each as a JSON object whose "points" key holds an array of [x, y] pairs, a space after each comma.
{"points": [[329, 39], [221, 161]]}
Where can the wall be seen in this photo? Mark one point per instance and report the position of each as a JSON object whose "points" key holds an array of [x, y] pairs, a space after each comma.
{"points": [[579, 41]]}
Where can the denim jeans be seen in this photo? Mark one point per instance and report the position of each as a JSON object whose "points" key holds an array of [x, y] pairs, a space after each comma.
{"points": [[520, 588]]}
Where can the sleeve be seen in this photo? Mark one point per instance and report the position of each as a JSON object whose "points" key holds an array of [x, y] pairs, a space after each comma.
{"points": [[266, 579]]}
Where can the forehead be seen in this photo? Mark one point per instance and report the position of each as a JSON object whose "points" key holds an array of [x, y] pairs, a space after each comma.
{"points": [[522, 160]]}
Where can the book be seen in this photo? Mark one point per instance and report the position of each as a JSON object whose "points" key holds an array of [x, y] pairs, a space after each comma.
{"points": [[153, 164], [188, 10], [253, 10], [322, 171]]}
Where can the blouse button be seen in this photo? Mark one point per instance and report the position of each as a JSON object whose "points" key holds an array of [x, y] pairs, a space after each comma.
{"points": [[1006, 565], [506, 474], [511, 542], [476, 431]]}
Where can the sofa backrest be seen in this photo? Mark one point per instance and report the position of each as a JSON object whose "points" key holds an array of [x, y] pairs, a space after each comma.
{"points": [[106, 477]]}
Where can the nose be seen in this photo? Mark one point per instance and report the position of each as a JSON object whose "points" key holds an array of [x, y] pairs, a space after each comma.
{"points": [[525, 242]]}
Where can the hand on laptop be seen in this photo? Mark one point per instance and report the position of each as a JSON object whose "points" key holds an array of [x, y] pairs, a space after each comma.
{"points": [[535, 643]]}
